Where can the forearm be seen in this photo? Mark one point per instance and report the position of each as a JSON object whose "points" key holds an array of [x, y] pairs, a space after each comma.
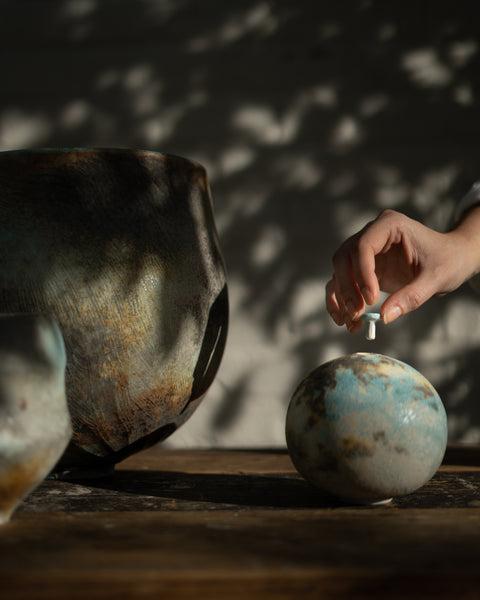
{"points": [[466, 238]]}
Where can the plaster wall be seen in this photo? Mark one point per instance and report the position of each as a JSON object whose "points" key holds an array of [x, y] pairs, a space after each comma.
{"points": [[310, 117]]}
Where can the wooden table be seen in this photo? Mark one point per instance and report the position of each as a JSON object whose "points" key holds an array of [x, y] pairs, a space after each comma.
{"points": [[233, 524]]}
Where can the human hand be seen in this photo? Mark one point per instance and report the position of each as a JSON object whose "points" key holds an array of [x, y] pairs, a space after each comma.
{"points": [[402, 257]]}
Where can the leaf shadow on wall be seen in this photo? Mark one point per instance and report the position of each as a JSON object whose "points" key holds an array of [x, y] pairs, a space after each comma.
{"points": [[309, 118]]}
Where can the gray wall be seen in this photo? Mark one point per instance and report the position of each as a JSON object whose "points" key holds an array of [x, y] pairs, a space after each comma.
{"points": [[310, 117]]}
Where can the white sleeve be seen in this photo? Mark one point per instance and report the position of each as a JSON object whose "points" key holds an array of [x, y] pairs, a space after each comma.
{"points": [[467, 202]]}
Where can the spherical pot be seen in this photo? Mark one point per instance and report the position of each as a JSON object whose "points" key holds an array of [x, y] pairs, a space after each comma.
{"points": [[366, 427], [120, 246], [34, 419]]}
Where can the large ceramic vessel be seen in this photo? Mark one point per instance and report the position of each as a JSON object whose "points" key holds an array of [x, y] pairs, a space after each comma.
{"points": [[34, 419], [120, 247]]}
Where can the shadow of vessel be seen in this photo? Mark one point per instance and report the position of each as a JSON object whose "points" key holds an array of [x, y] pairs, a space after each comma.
{"points": [[120, 246]]}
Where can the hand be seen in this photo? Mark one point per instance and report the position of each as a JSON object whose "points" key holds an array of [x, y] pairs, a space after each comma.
{"points": [[402, 257]]}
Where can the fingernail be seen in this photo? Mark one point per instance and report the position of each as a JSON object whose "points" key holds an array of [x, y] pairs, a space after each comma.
{"points": [[392, 314]]}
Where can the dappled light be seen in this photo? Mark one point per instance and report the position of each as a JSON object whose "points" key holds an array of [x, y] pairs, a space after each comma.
{"points": [[426, 69], [310, 118], [19, 129]]}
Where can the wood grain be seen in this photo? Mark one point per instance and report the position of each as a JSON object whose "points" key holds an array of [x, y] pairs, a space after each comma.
{"points": [[240, 524]]}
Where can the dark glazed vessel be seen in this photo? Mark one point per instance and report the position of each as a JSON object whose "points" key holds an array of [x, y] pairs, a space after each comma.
{"points": [[120, 246]]}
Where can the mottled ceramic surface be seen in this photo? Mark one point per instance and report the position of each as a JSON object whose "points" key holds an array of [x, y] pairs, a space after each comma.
{"points": [[366, 427], [35, 423], [121, 247]]}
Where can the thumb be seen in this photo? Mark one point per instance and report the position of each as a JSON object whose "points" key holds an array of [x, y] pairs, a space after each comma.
{"points": [[407, 299]]}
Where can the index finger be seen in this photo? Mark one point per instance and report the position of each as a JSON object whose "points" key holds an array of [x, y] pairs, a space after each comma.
{"points": [[363, 261], [347, 290]]}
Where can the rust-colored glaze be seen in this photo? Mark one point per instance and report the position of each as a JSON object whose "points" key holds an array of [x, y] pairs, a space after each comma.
{"points": [[121, 248], [427, 392], [364, 372], [379, 436], [17, 479], [314, 390], [353, 447]]}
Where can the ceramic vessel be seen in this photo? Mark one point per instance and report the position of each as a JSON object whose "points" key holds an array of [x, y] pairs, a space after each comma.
{"points": [[366, 427], [34, 419], [120, 246]]}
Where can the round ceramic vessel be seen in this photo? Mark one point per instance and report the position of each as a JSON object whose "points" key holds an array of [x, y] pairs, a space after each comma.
{"points": [[120, 246], [366, 427], [34, 419]]}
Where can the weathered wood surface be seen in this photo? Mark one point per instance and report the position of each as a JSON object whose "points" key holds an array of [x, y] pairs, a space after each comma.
{"points": [[235, 524]]}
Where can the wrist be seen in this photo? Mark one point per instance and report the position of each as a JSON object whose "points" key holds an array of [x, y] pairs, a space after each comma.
{"points": [[465, 238]]}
